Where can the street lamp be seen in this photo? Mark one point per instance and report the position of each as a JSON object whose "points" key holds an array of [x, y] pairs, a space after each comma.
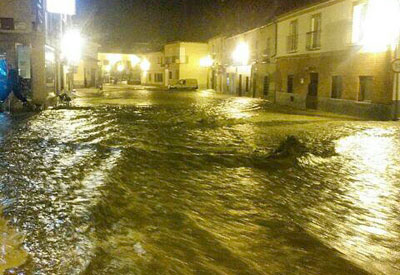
{"points": [[380, 25], [145, 65], [241, 54]]}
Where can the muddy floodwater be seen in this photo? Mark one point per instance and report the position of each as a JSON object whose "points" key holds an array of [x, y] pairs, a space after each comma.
{"points": [[152, 182]]}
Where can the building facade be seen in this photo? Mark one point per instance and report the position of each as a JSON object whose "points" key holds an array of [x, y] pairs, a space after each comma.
{"points": [[87, 73], [182, 61], [154, 73], [217, 74], [119, 68], [30, 42], [245, 64], [324, 62]]}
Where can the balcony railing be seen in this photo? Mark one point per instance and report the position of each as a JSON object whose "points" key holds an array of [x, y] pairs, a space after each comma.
{"points": [[313, 40], [183, 59], [292, 41]]}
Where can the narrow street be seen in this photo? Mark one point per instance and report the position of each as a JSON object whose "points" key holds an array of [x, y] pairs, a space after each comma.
{"points": [[152, 182]]}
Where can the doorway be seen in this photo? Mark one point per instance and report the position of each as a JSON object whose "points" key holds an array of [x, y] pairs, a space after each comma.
{"points": [[266, 85], [312, 96]]}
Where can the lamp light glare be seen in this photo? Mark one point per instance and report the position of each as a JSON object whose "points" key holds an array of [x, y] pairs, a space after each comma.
{"points": [[206, 62], [61, 6], [241, 54], [134, 60], [145, 65], [120, 67], [114, 58], [381, 29], [72, 46]]}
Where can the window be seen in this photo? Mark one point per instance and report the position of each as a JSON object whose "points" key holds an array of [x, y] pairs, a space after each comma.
{"points": [[337, 86], [170, 75], [266, 85], [314, 36], [366, 88], [247, 84], [293, 36], [7, 23], [359, 15], [268, 50], [290, 83], [149, 77]]}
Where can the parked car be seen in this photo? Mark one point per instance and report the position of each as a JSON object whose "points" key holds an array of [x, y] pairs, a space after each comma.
{"points": [[185, 84]]}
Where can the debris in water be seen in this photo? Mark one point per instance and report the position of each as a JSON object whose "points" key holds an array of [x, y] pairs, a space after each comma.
{"points": [[139, 249]]}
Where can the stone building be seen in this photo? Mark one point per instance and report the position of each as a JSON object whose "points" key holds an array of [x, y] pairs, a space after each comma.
{"points": [[30, 42], [331, 58]]}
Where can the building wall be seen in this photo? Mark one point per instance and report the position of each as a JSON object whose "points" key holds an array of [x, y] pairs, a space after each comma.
{"points": [[156, 60], [183, 60], [335, 30], [192, 69], [216, 74], [335, 57], [257, 78], [88, 71], [109, 62]]}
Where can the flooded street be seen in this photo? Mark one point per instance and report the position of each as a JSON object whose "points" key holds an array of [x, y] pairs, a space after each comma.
{"points": [[152, 182]]}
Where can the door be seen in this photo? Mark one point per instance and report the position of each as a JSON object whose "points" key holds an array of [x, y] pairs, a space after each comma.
{"points": [[254, 85], [93, 78], [266, 85], [312, 96]]}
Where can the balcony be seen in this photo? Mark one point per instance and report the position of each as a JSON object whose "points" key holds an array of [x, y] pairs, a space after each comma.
{"points": [[184, 59], [313, 40], [292, 41]]}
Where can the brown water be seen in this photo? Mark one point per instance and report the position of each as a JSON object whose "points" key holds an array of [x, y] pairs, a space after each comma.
{"points": [[146, 182]]}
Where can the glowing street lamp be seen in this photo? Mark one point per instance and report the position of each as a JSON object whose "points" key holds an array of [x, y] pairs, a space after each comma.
{"points": [[134, 60], [381, 25], [241, 54], [120, 67], [206, 62], [145, 65], [72, 46]]}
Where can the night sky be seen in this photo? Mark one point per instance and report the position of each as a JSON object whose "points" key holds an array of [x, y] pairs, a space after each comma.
{"points": [[121, 23]]}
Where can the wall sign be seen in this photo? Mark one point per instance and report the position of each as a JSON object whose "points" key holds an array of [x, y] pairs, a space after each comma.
{"points": [[396, 65]]}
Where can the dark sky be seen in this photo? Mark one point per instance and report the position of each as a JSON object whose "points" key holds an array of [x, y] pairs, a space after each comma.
{"points": [[123, 22]]}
